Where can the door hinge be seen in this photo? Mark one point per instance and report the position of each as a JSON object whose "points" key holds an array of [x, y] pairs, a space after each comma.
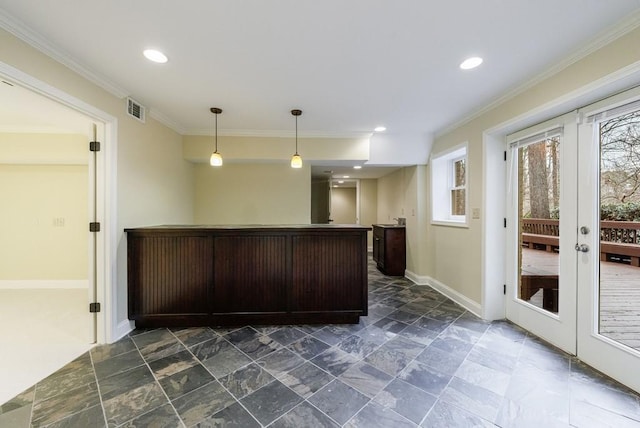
{"points": [[505, 155], [504, 289], [94, 146], [94, 227], [94, 307], [505, 222]]}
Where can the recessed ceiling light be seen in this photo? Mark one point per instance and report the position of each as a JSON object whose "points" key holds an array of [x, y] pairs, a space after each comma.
{"points": [[380, 129], [155, 56], [470, 63], [345, 176], [357, 167], [341, 182]]}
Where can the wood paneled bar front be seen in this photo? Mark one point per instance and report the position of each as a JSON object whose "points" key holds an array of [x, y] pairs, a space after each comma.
{"points": [[182, 276]]}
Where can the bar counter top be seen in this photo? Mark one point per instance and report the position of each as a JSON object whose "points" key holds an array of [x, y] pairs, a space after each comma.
{"points": [[247, 227]]}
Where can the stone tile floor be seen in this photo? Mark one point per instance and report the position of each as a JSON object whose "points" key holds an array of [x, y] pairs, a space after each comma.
{"points": [[417, 359]]}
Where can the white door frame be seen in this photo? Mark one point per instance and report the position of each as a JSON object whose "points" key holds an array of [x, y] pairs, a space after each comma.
{"points": [[106, 196], [494, 176]]}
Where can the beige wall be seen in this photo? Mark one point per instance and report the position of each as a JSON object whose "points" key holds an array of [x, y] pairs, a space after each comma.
{"points": [[44, 222], [404, 193], [44, 196], [369, 206], [391, 197], [252, 194], [26, 148], [343, 205], [154, 183], [449, 245]]}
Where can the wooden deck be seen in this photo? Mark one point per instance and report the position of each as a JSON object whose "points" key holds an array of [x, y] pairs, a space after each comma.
{"points": [[619, 296]]}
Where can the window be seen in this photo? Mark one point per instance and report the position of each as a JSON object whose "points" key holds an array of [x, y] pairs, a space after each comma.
{"points": [[449, 187], [458, 201]]}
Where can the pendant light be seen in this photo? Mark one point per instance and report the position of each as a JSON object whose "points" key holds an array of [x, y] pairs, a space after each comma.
{"points": [[216, 158], [296, 160]]}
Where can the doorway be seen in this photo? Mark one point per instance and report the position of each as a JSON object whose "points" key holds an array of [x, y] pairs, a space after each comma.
{"points": [[48, 273], [573, 277], [320, 201], [344, 201]]}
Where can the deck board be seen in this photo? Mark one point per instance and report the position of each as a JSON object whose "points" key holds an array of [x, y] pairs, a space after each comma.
{"points": [[619, 296]]}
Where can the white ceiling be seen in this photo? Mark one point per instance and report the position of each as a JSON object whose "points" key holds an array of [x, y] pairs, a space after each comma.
{"points": [[349, 65]]}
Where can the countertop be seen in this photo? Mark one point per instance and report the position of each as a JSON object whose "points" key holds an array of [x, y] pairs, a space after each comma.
{"points": [[193, 227]]}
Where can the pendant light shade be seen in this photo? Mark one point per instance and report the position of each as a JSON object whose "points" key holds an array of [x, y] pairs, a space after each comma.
{"points": [[296, 159], [216, 158]]}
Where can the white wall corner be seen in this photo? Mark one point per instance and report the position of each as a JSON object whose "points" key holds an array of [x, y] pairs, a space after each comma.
{"points": [[494, 256]]}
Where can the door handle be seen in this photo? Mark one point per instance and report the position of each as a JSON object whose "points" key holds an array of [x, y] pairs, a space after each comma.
{"points": [[584, 248]]}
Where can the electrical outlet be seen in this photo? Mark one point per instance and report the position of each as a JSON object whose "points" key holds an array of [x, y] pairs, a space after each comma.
{"points": [[475, 213]]}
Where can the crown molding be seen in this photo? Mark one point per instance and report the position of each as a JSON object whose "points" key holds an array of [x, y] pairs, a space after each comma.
{"points": [[605, 37], [37, 41], [166, 121]]}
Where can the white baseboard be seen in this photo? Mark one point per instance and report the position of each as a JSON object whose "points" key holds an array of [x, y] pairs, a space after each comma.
{"points": [[122, 329], [28, 284], [462, 300], [415, 278], [447, 291]]}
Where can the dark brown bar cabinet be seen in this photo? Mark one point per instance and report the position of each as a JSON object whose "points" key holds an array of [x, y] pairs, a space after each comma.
{"points": [[389, 249], [237, 275]]}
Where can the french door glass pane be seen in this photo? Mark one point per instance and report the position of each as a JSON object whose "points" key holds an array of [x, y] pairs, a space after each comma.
{"points": [[538, 223], [619, 282]]}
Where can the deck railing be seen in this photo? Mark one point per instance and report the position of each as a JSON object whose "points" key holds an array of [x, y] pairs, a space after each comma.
{"points": [[541, 226], [619, 240]]}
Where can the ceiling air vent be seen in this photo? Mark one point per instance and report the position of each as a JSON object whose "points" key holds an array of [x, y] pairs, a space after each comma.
{"points": [[135, 109]]}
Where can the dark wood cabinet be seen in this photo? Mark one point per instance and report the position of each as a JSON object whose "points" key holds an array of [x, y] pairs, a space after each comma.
{"points": [[189, 276], [389, 249]]}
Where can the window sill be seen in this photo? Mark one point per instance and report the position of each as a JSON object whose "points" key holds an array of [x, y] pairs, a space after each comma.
{"points": [[450, 223]]}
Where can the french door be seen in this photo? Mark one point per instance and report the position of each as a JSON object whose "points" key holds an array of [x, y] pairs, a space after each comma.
{"points": [[541, 224], [573, 259], [608, 334]]}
